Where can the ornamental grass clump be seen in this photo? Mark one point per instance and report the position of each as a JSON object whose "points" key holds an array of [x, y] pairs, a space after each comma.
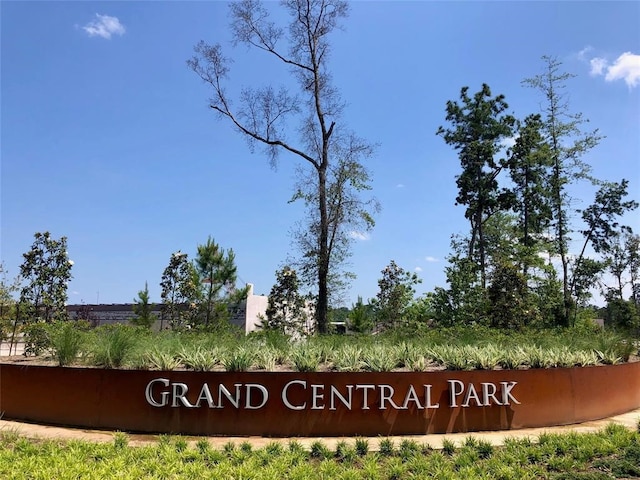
{"points": [[305, 358], [348, 358], [412, 358], [199, 358], [240, 359], [379, 358], [408, 449], [450, 356], [419, 364], [113, 345], [157, 359], [362, 445], [513, 358], [608, 357], [66, 342], [585, 358], [486, 357], [615, 345], [267, 358], [320, 451], [536, 356]]}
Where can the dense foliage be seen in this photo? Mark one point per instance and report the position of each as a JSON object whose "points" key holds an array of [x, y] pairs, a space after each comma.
{"points": [[46, 271], [516, 266], [613, 452]]}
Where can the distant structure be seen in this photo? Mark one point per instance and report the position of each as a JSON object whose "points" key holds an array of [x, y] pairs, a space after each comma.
{"points": [[250, 313], [247, 316]]}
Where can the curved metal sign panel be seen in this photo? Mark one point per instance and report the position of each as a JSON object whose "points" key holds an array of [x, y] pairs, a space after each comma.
{"points": [[315, 404]]}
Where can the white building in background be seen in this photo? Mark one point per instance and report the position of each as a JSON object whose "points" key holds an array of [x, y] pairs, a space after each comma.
{"points": [[251, 312]]}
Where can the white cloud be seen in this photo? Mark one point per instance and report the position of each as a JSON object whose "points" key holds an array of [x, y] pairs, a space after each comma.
{"points": [[418, 269], [597, 66], [104, 27], [627, 68], [431, 259], [400, 185], [359, 235], [582, 54]]}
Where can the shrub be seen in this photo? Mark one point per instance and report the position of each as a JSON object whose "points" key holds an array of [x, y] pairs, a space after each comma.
{"points": [[387, 447], [362, 445], [36, 339], [320, 451]]}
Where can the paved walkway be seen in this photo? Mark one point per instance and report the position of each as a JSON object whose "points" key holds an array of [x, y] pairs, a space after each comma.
{"points": [[629, 420]]}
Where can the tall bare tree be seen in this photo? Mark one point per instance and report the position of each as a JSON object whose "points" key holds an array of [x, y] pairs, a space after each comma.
{"points": [[265, 115]]}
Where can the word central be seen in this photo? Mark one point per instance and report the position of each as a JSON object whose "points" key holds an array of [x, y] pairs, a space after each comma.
{"points": [[303, 395]]}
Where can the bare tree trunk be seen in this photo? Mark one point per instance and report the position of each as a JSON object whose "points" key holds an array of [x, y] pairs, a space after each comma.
{"points": [[322, 306]]}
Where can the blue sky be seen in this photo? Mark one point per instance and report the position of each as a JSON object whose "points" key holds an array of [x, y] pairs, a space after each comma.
{"points": [[106, 137]]}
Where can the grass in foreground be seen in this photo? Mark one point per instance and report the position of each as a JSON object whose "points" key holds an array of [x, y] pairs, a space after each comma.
{"points": [[612, 453]]}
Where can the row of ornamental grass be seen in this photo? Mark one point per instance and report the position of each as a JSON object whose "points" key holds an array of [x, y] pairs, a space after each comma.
{"points": [[469, 348], [613, 452]]}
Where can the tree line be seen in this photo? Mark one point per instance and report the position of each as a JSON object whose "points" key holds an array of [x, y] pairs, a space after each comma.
{"points": [[514, 224], [514, 267], [198, 293]]}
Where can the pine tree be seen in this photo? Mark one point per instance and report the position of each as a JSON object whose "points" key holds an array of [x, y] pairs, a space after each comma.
{"points": [[142, 308], [478, 126]]}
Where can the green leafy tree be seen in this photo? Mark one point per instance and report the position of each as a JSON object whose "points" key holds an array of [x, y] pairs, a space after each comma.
{"points": [[396, 291], [47, 271], [143, 308], [479, 124], [464, 302], [420, 312], [632, 245], [510, 303], [602, 230], [217, 273], [8, 312], [265, 117], [180, 291], [529, 163], [622, 258], [585, 276], [349, 217], [286, 307], [567, 144], [361, 316], [622, 314]]}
